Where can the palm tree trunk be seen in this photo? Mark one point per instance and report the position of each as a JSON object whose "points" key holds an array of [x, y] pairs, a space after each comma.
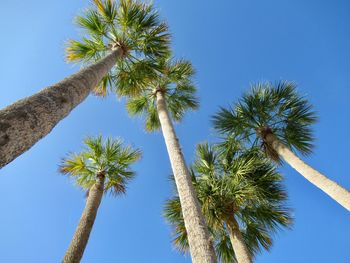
{"points": [[334, 190], [239, 246], [26, 121], [82, 233], [200, 244]]}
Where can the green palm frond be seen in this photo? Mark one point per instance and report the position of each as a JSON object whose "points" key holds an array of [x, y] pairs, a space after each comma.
{"points": [[138, 105], [173, 79], [135, 28], [224, 248], [206, 159], [152, 122], [179, 101], [180, 71], [84, 50], [105, 86], [258, 237], [276, 108], [92, 22], [242, 185], [172, 212], [133, 78], [141, 22], [108, 10], [74, 166], [154, 43], [110, 156]]}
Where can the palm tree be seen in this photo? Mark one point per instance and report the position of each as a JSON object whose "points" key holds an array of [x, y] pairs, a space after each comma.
{"points": [[162, 97], [104, 166], [242, 200], [117, 34], [279, 119]]}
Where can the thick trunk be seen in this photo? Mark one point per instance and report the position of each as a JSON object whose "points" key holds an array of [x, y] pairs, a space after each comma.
{"points": [[26, 121], [237, 242], [82, 233], [334, 190], [201, 247]]}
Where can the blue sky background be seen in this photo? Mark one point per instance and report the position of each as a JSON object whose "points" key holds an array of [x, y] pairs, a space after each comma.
{"points": [[232, 43]]}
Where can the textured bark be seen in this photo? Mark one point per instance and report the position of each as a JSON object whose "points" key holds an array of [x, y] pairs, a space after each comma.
{"points": [[81, 236], [200, 244], [26, 121], [334, 190], [237, 242]]}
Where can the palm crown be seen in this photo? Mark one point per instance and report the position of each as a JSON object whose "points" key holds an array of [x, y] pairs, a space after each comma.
{"points": [[234, 183], [132, 26], [172, 78], [269, 108], [109, 157]]}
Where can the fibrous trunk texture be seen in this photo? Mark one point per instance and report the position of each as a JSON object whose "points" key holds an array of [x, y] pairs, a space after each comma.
{"points": [[237, 242], [81, 236], [200, 244], [26, 121], [334, 190]]}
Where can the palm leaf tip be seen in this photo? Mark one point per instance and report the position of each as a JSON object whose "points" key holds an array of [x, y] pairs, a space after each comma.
{"points": [[224, 120], [74, 51]]}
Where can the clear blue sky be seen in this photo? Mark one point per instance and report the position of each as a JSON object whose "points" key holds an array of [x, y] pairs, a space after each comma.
{"points": [[231, 43]]}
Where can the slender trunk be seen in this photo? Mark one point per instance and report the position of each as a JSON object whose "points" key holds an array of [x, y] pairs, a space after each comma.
{"points": [[201, 247], [237, 242], [82, 233], [26, 121], [334, 190]]}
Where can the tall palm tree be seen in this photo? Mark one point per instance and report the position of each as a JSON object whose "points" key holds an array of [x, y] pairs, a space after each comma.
{"points": [[242, 200], [104, 166], [162, 97], [115, 34], [279, 119]]}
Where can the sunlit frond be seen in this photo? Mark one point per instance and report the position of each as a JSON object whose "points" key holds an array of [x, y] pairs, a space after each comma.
{"points": [[85, 50], [275, 108], [206, 159], [110, 156], [179, 104], [134, 78], [104, 86], [137, 105], [155, 43], [91, 22], [180, 71], [108, 10], [133, 27]]}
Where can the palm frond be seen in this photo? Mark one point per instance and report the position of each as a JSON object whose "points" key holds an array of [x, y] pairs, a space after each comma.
{"points": [[110, 156], [179, 103], [85, 50], [137, 105], [152, 122], [155, 42], [276, 108], [104, 86], [135, 77], [91, 22], [108, 10], [180, 71]]}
